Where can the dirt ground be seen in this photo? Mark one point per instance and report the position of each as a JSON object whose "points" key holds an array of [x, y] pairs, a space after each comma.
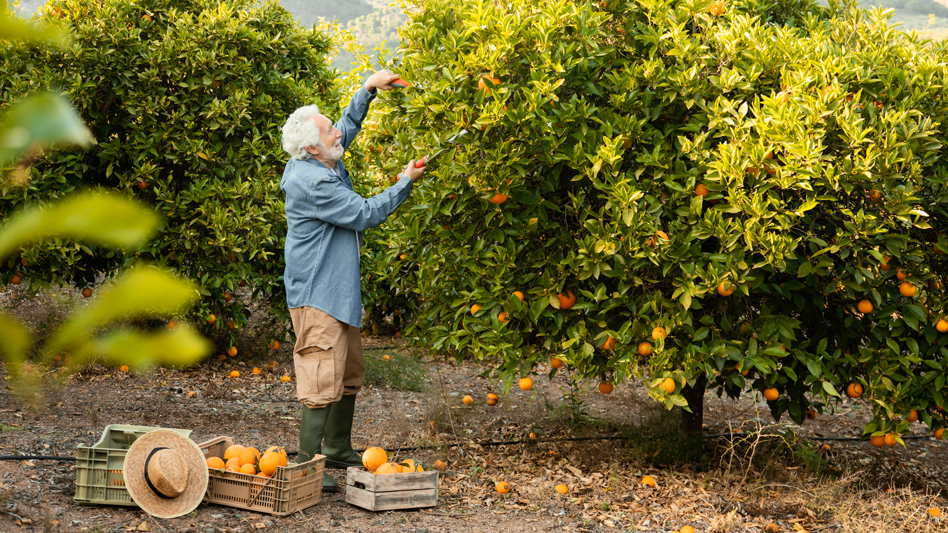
{"points": [[740, 485]]}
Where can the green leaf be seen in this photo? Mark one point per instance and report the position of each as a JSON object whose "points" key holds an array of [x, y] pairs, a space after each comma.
{"points": [[144, 288], [98, 218], [830, 389], [177, 347], [40, 120], [13, 28], [16, 341]]}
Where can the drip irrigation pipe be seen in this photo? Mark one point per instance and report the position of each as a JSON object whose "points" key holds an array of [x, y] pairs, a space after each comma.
{"points": [[499, 443]]}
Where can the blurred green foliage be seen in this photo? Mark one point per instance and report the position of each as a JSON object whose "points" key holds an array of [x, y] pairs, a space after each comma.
{"points": [[186, 100], [46, 121]]}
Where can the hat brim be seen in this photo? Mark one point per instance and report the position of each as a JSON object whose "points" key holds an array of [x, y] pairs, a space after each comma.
{"points": [[141, 493]]}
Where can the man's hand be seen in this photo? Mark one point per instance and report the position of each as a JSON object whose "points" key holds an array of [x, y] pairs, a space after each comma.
{"points": [[414, 173], [380, 80]]}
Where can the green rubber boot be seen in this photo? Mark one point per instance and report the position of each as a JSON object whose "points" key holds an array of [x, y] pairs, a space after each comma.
{"points": [[312, 428], [337, 443]]}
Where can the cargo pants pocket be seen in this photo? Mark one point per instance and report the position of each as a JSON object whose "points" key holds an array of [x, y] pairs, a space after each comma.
{"points": [[315, 376]]}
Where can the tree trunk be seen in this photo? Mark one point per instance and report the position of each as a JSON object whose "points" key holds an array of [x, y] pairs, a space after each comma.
{"points": [[691, 423]]}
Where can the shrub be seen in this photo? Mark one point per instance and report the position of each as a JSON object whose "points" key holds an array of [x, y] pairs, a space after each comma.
{"points": [[185, 99], [733, 173]]}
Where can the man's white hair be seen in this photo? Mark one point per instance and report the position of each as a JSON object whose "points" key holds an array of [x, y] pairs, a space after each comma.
{"points": [[300, 131]]}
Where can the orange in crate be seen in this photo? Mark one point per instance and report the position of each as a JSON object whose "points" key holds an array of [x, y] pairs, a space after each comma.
{"points": [[291, 488]]}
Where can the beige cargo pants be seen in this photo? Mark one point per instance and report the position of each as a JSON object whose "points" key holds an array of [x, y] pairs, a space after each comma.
{"points": [[327, 356]]}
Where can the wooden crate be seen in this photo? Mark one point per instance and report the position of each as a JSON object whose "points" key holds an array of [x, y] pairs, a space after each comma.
{"points": [[290, 489], [384, 492]]}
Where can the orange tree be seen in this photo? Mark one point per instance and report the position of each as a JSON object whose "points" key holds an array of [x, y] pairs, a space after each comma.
{"points": [[186, 99], [695, 194]]}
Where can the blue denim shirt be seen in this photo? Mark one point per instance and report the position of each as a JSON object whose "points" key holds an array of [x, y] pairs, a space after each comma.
{"points": [[325, 220]]}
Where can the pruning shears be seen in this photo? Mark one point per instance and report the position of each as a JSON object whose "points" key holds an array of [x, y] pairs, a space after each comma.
{"points": [[429, 158], [399, 83]]}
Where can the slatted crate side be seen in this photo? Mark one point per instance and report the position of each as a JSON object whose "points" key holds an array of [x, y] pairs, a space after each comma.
{"points": [[291, 488], [387, 501], [99, 476], [391, 491], [391, 482]]}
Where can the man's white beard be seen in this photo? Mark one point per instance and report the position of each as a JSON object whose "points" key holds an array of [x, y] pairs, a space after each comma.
{"points": [[335, 153]]}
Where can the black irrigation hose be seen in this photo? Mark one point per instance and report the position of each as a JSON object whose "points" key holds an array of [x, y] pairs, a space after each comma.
{"points": [[499, 443]]}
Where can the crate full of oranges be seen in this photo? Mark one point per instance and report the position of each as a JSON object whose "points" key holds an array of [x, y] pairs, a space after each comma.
{"points": [[386, 485], [240, 476]]}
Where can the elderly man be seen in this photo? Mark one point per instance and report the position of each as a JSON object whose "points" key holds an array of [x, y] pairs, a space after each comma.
{"points": [[325, 220]]}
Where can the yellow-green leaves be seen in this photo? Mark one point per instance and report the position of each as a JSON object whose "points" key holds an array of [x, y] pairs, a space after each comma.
{"points": [[40, 121], [95, 218], [143, 289]]}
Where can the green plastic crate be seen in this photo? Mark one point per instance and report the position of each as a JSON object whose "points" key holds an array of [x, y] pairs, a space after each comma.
{"points": [[99, 476]]}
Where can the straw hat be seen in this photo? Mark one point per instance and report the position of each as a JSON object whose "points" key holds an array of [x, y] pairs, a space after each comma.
{"points": [[165, 473]]}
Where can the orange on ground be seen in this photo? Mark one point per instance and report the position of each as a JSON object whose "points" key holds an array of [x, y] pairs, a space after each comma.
{"points": [[172, 324], [854, 390], [256, 371], [439, 465], [234, 374], [941, 325], [275, 345], [492, 396], [285, 379], [248, 468], [249, 455], [812, 413], [518, 294], [498, 199], [123, 368], [645, 349], [467, 400], [492, 400], [609, 343], [16, 280], [502, 487], [864, 306], [387, 357], [606, 388], [269, 463], [934, 512], [215, 462], [669, 385], [725, 289], [648, 480], [701, 190], [374, 457], [475, 308], [232, 351], [562, 489], [526, 383], [556, 363], [658, 333], [87, 292], [906, 289], [688, 529], [877, 440], [567, 301], [771, 394], [890, 439]]}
